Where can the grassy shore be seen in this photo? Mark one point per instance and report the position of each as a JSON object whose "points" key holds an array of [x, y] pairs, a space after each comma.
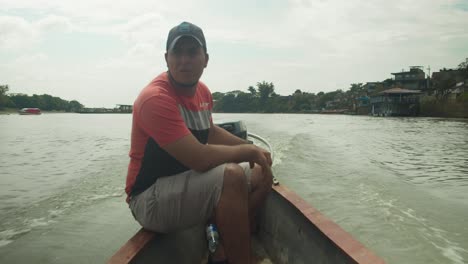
{"points": [[8, 111], [14, 111]]}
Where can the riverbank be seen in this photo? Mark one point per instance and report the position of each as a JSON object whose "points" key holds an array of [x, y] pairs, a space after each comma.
{"points": [[451, 107], [14, 111], [8, 111]]}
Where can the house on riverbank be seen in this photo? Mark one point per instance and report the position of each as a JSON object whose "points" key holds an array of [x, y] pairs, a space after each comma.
{"points": [[414, 79], [395, 102], [119, 109]]}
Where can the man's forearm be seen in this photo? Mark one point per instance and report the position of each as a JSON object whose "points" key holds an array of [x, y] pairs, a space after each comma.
{"points": [[219, 136], [215, 155]]}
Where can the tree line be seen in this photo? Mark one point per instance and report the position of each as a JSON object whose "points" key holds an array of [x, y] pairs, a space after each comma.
{"points": [[44, 101], [264, 99], [259, 99]]}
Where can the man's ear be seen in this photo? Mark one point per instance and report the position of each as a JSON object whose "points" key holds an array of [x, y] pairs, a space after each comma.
{"points": [[165, 57], [207, 59]]}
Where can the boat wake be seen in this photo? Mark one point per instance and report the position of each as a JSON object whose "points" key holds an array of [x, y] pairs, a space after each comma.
{"points": [[413, 228]]}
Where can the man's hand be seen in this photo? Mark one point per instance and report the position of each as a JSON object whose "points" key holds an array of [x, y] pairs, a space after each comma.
{"points": [[262, 158], [267, 175]]}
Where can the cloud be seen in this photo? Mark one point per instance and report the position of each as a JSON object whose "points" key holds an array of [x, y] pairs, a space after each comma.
{"points": [[102, 10], [33, 67], [352, 24], [53, 23], [27, 60], [147, 28], [139, 56], [17, 33], [296, 44]]}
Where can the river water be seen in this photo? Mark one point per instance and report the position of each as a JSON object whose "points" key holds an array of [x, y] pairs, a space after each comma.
{"points": [[398, 185]]}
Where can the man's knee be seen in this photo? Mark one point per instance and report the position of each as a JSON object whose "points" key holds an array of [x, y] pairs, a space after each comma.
{"points": [[258, 180], [234, 178]]}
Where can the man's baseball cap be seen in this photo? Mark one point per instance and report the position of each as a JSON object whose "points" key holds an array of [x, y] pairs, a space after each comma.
{"points": [[185, 29]]}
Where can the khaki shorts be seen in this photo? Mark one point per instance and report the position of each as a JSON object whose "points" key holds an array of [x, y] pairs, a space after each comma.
{"points": [[182, 200]]}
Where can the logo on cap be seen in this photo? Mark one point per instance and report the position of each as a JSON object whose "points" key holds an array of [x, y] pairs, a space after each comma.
{"points": [[185, 29]]}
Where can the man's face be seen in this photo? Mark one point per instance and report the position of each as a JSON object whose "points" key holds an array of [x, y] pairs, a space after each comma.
{"points": [[186, 60]]}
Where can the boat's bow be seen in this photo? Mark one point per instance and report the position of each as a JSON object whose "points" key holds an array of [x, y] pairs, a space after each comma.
{"points": [[291, 231]]}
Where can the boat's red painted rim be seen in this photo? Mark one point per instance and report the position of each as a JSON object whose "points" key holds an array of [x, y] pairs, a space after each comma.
{"points": [[342, 239], [128, 251]]}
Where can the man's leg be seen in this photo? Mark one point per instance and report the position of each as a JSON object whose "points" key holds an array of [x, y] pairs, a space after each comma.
{"points": [[260, 188], [180, 201], [232, 215]]}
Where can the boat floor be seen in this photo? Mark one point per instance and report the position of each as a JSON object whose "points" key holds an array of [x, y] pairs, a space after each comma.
{"points": [[291, 231], [185, 247], [259, 253]]}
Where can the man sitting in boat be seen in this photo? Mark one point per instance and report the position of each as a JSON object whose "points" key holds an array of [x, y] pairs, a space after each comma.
{"points": [[184, 170]]}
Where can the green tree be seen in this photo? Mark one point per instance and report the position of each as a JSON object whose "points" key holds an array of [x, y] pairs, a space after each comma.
{"points": [[302, 101], [356, 89], [217, 95], [329, 97], [4, 100], [3, 89], [74, 106], [443, 86], [229, 103], [252, 91], [21, 100], [464, 67], [265, 89], [243, 102], [235, 92], [45, 102]]}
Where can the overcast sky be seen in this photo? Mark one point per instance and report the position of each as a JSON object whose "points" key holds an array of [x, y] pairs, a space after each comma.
{"points": [[103, 52]]}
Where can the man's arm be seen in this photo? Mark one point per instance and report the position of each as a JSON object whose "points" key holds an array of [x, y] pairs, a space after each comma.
{"points": [[201, 157], [219, 136]]}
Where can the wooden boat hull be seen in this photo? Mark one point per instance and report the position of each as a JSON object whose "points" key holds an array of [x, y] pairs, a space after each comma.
{"points": [[291, 231]]}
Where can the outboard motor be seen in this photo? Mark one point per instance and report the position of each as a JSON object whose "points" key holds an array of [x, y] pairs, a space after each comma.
{"points": [[236, 128]]}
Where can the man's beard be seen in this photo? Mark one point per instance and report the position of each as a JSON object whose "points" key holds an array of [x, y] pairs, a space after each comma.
{"points": [[183, 85]]}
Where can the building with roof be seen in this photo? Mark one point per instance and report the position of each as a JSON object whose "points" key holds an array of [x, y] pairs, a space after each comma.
{"points": [[121, 108], [414, 79], [395, 102]]}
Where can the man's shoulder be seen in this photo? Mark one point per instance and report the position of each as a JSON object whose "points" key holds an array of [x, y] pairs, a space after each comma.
{"points": [[205, 91], [158, 88], [203, 86], [159, 85]]}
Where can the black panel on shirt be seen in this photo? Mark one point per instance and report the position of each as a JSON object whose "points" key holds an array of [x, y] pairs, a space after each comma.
{"points": [[158, 163]]}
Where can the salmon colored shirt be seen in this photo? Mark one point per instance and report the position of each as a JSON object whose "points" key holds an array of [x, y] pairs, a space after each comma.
{"points": [[160, 117]]}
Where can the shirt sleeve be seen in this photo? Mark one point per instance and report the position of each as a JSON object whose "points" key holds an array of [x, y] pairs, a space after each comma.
{"points": [[160, 118]]}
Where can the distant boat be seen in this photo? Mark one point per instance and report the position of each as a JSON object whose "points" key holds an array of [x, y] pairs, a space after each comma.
{"points": [[30, 111]]}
